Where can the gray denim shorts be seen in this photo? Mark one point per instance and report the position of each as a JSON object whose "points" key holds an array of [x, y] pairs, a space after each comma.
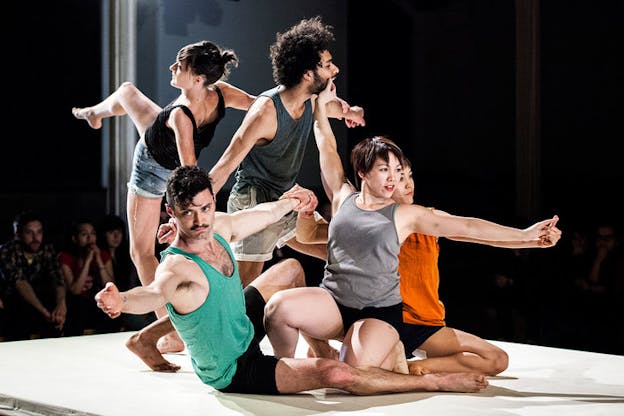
{"points": [[148, 179], [259, 246]]}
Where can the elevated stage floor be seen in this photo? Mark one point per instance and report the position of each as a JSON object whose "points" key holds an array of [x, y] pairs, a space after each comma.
{"points": [[97, 375]]}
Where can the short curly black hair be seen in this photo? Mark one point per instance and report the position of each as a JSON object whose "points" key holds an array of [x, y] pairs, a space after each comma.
{"points": [[299, 50], [184, 183]]}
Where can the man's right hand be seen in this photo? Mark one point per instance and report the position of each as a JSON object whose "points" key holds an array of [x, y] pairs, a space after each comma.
{"points": [[109, 300]]}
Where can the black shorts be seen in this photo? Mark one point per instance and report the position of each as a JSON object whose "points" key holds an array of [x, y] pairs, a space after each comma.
{"points": [[390, 314], [255, 372], [254, 306], [413, 336]]}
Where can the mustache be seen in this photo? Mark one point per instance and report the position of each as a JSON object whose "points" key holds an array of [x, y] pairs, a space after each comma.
{"points": [[199, 226]]}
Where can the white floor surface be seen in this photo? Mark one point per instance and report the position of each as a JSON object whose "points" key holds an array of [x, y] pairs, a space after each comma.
{"points": [[97, 375]]}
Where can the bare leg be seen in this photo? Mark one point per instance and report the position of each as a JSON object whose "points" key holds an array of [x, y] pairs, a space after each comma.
{"points": [[286, 274], [143, 344], [320, 348], [450, 350], [295, 375], [127, 99], [311, 310], [143, 221], [249, 270], [373, 343]]}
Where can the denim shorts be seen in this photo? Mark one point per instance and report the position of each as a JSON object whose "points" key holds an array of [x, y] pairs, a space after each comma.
{"points": [[148, 179], [259, 246]]}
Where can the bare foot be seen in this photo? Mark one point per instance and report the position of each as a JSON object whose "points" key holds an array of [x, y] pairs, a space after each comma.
{"points": [[416, 369], [170, 343], [88, 115], [146, 350], [457, 382]]}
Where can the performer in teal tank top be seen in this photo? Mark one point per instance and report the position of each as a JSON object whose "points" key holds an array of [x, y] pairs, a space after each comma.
{"points": [[221, 329]]}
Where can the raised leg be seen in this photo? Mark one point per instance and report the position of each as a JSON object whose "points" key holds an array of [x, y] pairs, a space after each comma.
{"points": [[127, 99]]}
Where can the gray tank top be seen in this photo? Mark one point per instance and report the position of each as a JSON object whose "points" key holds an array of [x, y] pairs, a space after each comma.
{"points": [[275, 166], [362, 256]]}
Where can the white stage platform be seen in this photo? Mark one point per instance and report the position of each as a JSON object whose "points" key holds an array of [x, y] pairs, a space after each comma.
{"points": [[97, 375]]}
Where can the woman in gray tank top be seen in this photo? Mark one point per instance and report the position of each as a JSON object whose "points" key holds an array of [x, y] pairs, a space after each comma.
{"points": [[365, 234]]}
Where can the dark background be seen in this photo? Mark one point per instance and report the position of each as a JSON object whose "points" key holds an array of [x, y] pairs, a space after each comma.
{"points": [[438, 77]]}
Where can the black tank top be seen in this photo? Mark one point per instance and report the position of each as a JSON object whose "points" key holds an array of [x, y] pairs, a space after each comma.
{"points": [[160, 139]]}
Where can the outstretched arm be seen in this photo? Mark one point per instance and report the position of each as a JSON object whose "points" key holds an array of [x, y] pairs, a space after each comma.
{"points": [[415, 218], [549, 240], [138, 300], [243, 223], [171, 274], [332, 173]]}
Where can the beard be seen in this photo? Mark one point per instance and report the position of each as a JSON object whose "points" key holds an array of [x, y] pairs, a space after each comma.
{"points": [[32, 247], [319, 84]]}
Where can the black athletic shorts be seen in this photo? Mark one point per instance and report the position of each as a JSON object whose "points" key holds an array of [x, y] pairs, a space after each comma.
{"points": [[390, 314], [413, 336], [255, 372]]}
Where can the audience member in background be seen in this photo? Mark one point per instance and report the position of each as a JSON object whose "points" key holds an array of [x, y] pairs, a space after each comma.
{"points": [[112, 238], [2, 310], [602, 296], [35, 293], [86, 269]]}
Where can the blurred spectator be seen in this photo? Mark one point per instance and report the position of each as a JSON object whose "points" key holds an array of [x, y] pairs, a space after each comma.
{"points": [[573, 268], [34, 298], [86, 269], [602, 292], [112, 238]]}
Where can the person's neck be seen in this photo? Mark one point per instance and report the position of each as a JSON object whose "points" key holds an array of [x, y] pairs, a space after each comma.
{"points": [[368, 201], [295, 96], [195, 246]]}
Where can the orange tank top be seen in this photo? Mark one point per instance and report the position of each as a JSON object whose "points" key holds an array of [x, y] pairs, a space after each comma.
{"points": [[420, 280]]}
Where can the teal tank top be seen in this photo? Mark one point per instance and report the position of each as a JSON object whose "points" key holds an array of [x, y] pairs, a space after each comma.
{"points": [[275, 166], [219, 331]]}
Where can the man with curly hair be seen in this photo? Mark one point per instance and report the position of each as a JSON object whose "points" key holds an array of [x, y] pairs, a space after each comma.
{"points": [[268, 147]]}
